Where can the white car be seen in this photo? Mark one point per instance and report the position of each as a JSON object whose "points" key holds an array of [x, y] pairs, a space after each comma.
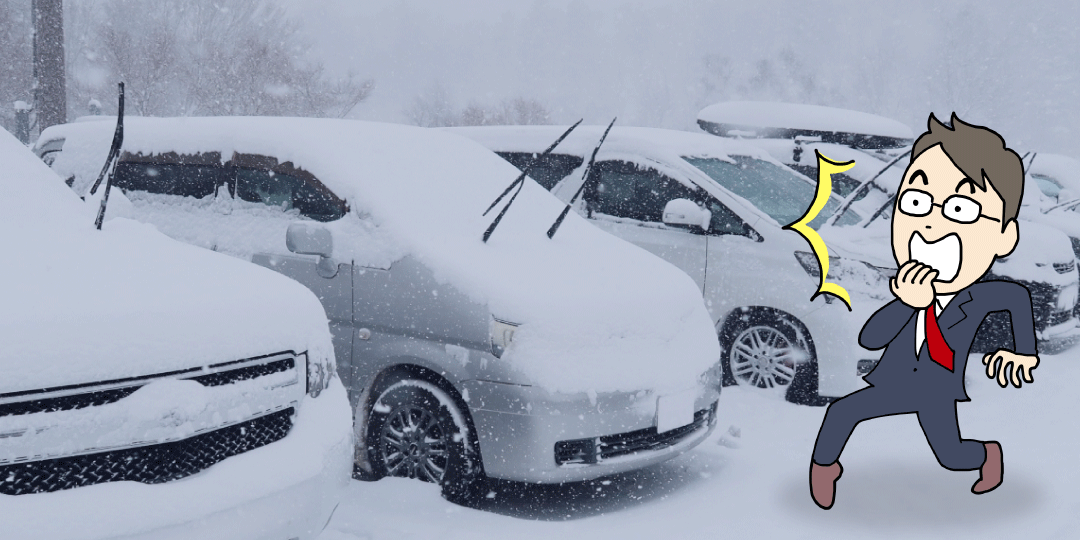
{"points": [[151, 389], [715, 209], [791, 133], [521, 358]]}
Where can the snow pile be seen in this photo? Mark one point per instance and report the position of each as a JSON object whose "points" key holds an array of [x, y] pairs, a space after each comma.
{"points": [[804, 117], [82, 305], [596, 313]]}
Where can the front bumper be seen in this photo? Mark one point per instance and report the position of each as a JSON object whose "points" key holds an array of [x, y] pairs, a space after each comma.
{"points": [[525, 433], [284, 490]]}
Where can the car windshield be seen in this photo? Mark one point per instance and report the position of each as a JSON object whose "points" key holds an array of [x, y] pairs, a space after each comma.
{"points": [[771, 188]]}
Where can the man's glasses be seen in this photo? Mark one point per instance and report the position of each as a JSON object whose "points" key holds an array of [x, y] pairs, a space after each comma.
{"points": [[956, 208]]}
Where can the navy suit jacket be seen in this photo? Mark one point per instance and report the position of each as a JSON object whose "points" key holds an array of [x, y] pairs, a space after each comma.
{"points": [[893, 327]]}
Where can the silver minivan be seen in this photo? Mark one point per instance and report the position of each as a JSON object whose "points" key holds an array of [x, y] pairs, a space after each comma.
{"points": [[521, 358]]}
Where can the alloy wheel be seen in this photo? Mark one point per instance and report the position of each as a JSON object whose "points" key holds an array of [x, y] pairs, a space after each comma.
{"points": [[762, 356], [414, 445]]}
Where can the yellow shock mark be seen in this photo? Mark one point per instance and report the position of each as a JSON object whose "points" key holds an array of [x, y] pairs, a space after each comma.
{"points": [[826, 168]]}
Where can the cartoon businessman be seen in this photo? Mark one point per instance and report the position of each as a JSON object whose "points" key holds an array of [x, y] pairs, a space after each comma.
{"points": [[955, 214]]}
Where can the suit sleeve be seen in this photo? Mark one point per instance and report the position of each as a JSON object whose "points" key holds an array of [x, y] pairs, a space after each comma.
{"points": [[883, 326], [1017, 301]]}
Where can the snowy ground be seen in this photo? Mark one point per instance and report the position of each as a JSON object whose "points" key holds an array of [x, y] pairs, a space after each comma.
{"points": [[757, 487]]}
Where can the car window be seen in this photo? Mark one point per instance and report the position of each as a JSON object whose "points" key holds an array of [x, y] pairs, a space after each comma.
{"points": [[185, 180], [549, 170], [622, 189], [626, 190], [773, 189], [1047, 185], [288, 192]]}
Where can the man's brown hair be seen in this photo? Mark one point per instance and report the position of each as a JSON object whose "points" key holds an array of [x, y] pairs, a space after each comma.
{"points": [[980, 153]]}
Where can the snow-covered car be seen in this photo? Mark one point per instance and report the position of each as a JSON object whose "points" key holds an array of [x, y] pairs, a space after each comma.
{"points": [[151, 389], [709, 206], [523, 358], [1043, 261]]}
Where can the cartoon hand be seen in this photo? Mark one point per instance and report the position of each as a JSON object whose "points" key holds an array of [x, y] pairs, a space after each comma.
{"points": [[998, 363], [913, 284]]}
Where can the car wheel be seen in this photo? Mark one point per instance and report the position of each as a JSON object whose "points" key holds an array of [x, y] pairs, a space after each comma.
{"points": [[770, 353], [416, 430]]}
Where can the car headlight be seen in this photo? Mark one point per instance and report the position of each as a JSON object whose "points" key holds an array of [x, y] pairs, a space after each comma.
{"points": [[320, 371], [502, 335]]}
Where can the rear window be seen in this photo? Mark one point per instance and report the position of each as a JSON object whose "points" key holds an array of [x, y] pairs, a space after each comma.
{"points": [[549, 171]]}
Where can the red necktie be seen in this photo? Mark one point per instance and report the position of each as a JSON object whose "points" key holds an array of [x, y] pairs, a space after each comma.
{"points": [[940, 351]]}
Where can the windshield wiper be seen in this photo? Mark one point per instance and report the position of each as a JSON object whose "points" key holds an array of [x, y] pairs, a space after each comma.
{"points": [[110, 162], [519, 182], [862, 189], [585, 181]]}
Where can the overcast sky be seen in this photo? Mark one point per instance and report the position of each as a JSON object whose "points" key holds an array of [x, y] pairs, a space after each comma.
{"points": [[1014, 66]]}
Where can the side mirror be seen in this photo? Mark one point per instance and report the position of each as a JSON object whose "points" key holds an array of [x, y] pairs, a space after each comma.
{"points": [[312, 239], [686, 213], [309, 239]]}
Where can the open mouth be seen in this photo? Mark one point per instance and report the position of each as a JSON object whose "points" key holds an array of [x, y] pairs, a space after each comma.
{"points": [[943, 255]]}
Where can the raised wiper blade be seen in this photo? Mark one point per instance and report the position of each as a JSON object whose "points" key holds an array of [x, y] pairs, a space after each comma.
{"points": [[863, 188], [528, 168], [110, 161], [520, 183], [585, 180]]}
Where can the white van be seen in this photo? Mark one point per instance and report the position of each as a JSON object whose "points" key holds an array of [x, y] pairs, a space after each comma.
{"points": [[152, 390], [715, 209]]}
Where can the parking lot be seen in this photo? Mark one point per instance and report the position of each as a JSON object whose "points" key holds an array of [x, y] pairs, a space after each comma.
{"points": [[755, 485]]}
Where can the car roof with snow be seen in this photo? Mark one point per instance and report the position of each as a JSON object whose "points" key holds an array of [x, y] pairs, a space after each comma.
{"points": [[426, 192], [82, 305], [789, 120]]}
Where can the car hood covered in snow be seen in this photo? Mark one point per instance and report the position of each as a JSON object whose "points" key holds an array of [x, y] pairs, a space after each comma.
{"points": [[596, 313], [83, 306]]}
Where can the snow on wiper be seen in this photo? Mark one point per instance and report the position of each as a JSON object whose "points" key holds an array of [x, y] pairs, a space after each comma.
{"points": [[585, 180], [519, 182], [110, 161]]}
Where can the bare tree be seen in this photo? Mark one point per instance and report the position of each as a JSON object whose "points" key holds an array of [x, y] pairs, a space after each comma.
{"points": [[207, 57], [433, 108]]}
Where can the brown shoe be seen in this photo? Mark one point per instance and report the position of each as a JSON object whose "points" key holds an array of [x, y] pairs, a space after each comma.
{"points": [[992, 470], [823, 483]]}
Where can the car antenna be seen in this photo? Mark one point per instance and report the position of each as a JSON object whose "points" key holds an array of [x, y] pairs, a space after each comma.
{"points": [[585, 180], [110, 162], [520, 183], [528, 168]]}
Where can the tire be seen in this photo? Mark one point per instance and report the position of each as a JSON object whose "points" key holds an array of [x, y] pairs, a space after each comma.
{"points": [[769, 351], [416, 430]]}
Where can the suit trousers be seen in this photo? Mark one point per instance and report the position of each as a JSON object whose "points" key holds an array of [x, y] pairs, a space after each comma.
{"points": [[937, 416]]}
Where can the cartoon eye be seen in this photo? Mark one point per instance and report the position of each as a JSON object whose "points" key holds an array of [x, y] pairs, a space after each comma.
{"points": [[916, 203], [961, 209]]}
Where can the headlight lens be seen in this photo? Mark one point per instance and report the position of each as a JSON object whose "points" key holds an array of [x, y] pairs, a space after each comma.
{"points": [[320, 371], [502, 335]]}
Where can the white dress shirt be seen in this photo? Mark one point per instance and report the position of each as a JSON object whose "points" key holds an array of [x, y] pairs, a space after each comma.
{"points": [[940, 301]]}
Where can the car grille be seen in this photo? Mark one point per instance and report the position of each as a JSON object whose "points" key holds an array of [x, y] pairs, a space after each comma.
{"points": [[153, 464], [597, 449], [1065, 268], [104, 397]]}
